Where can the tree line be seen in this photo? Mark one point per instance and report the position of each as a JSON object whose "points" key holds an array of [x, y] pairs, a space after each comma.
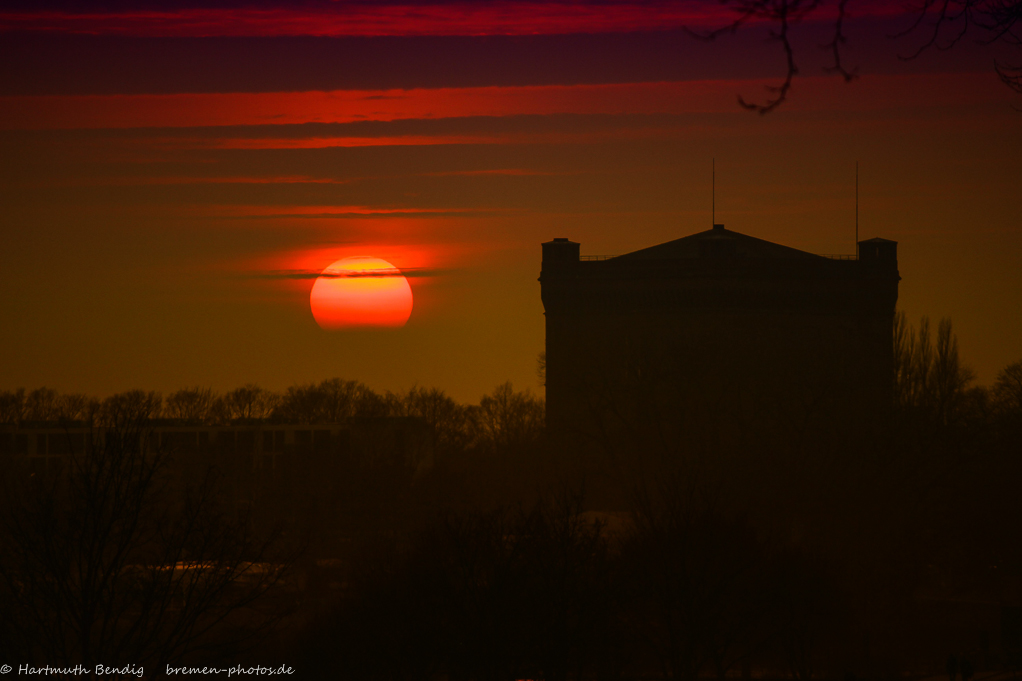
{"points": [[504, 418], [850, 557], [811, 566], [676, 589], [930, 380], [110, 563]]}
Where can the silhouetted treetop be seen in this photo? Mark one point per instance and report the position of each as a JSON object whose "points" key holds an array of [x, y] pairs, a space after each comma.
{"points": [[248, 402], [506, 418], [330, 401], [191, 404], [929, 377], [1007, 391]]}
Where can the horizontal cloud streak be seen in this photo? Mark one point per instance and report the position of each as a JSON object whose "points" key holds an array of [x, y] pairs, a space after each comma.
{"points": [[364, 106], [347, 106], [409, 272], [64, 64], [300, 213], [380, 19]]}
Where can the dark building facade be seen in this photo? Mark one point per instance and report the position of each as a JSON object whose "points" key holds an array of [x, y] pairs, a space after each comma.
{"points": [[716, 328]]}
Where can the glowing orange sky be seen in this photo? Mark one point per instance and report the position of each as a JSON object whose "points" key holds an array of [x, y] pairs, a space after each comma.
{"points": [[168, 232]]}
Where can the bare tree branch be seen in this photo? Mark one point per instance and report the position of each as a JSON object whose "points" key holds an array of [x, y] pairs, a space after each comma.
{"points": [[1010, 76], [947, 23], [835, 45], [782, 15]]}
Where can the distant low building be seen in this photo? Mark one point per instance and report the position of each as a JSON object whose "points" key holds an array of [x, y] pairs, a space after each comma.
{"points": [[715, 328], [254, 458]]}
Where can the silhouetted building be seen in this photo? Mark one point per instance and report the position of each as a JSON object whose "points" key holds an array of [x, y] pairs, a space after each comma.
{"points": [[717, 328]]}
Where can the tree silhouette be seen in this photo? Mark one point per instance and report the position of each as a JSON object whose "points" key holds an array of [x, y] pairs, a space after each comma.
{"points": [[129, 410], [929, 379], [943, 24], [447, 420], [1007, 390], [194, 405], [248, 402], [507, 419], [331, 401], [106, 561]]}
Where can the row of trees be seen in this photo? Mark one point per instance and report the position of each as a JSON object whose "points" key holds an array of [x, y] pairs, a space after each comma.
{"points": [[753, 559], [806, 563], [931, 380], [119, 558], [503, 419]]}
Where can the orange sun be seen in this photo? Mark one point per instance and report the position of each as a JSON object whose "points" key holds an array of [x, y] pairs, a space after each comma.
{"points": [[361, 292]]}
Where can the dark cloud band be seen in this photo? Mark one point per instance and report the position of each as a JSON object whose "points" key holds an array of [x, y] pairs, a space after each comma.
{"points": [[388, 272], [44, 64]]}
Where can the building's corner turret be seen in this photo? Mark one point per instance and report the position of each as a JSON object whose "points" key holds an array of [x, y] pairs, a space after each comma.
{"points": [[560, 253], [879, 255]]}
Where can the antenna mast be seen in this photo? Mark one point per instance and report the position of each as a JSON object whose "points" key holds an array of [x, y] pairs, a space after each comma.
{"points": [[856, 209], [713, 193]]}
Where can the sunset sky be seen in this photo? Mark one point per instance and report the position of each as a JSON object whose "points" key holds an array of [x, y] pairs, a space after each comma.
{"points": [[175, 173]]}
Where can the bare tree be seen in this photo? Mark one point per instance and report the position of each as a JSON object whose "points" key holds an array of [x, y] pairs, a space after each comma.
{"points": [[1007, 391], [128, 409], [248, 402], [784, 14], [107, 562], [41, 405], [929, 379], [506, 418], [12, 405], [46, 404], [76, 407], [191, 404], [331, 401], [447, 420]]}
